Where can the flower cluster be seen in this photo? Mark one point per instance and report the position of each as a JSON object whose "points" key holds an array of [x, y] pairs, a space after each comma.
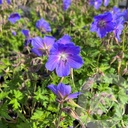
{"points": [[62, 54], [107, 22]]}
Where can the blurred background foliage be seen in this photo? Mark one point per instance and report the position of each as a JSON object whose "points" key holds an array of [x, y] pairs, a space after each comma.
{"points": [[25, 100]]}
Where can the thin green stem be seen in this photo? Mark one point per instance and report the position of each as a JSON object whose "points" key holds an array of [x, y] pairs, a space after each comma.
{"points": [[60, 106], [123, 47]]}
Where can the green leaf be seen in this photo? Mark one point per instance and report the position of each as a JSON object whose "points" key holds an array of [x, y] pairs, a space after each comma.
{"points": [[15, 103], [3, 95]]}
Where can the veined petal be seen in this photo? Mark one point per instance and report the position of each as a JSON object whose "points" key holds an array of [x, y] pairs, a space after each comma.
{"points": [[72, 49], [37, 51], [25, 32], [49, 41], [66, 39], [75, 61], [52, 62], [43, 25], [65, 90], [37, 42], [74, 95], [63, 69], [102, 32], [53, 88]]}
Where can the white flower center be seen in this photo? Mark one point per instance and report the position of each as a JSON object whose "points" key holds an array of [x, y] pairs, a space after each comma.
{"points": [[63, 56]]}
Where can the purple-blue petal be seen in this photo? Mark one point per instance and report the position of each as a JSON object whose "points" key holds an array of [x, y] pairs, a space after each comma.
{"points": [[25, 32], [9, 1], [37, 44], [75, 61], [52, 62], [53, 88], [106, 2], [95, 3], [66, 39], [37, 51], [74, 95], [1, 1], [118, 30], [65, 90], [14, 17], [43, 26], [66, 4], [72, 49], [49, 41], [13, 33], [62, 69]]}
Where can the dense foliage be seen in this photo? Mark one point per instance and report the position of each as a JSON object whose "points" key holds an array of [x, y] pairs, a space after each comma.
{"points": [[63, 64]]}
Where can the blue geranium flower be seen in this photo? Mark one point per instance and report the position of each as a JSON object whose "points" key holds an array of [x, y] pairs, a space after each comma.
{"points": [[63, 57], [42, 46], [43, 26], [14, 17], [66, 4], [103, 24], [63, 92]]}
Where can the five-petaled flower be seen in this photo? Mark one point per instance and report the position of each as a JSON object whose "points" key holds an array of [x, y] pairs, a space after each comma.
{"points": [[63, 92], [43, 26], [14, 17], [63, 57], [103, 24], [42, 46]]}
